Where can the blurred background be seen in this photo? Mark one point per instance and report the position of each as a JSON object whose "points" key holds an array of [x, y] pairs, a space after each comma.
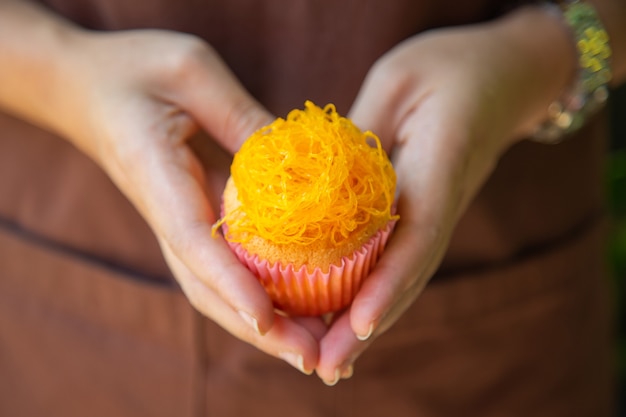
{"points": [[616, 185]]}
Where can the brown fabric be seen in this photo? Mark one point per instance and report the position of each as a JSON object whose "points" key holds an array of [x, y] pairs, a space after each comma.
{"points": [[521, 340], [77, 339], [92, 323], [528, 338]]}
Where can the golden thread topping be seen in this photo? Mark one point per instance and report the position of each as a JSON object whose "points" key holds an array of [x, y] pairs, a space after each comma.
{"points": [[312, 177]]}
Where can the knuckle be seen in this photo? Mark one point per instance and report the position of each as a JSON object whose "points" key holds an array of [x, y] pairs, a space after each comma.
{"points": [[390, 73], [391, 84], [190, 53]]}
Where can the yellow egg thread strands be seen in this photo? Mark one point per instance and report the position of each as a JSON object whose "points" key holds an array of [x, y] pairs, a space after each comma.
{"points": [[308, 178]]}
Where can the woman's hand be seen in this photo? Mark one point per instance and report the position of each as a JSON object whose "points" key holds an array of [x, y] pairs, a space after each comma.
{"points": [[448, 103], [132, 100], [137, 98]]}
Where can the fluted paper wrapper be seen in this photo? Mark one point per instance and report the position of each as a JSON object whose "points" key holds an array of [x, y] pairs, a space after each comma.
{"points": [[303, 293]]}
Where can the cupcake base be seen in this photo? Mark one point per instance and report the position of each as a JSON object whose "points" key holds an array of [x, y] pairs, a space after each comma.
{"points": [[303, 293]]}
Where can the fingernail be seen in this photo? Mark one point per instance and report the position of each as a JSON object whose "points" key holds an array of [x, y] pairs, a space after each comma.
{"points": [[334, 381], [366, 336], [252, 322], [348, 372], [295, 360]]}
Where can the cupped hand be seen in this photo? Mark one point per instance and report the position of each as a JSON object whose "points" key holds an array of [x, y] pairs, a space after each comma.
{"points": [[132, 103], [447, 104]]}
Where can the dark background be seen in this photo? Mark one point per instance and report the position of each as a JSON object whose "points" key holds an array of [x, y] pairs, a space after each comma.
{"points": [[616, 186]]}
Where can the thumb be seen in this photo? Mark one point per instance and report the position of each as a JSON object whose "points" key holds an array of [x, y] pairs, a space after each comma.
{"points": [[219, 103]]}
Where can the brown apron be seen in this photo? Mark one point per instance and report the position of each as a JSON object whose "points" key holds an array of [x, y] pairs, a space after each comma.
{"points": [[516, 322]]}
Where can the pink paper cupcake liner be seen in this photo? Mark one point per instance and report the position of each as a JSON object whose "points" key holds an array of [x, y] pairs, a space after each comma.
{"points": [[303, 293]]}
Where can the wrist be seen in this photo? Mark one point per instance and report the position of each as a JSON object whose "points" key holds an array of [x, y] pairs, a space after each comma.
{"points": [[588, 92], [542, 64], [35, 46]]}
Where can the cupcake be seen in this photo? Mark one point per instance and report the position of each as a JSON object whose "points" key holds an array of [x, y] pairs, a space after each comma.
{"points": [[308, 208]]}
